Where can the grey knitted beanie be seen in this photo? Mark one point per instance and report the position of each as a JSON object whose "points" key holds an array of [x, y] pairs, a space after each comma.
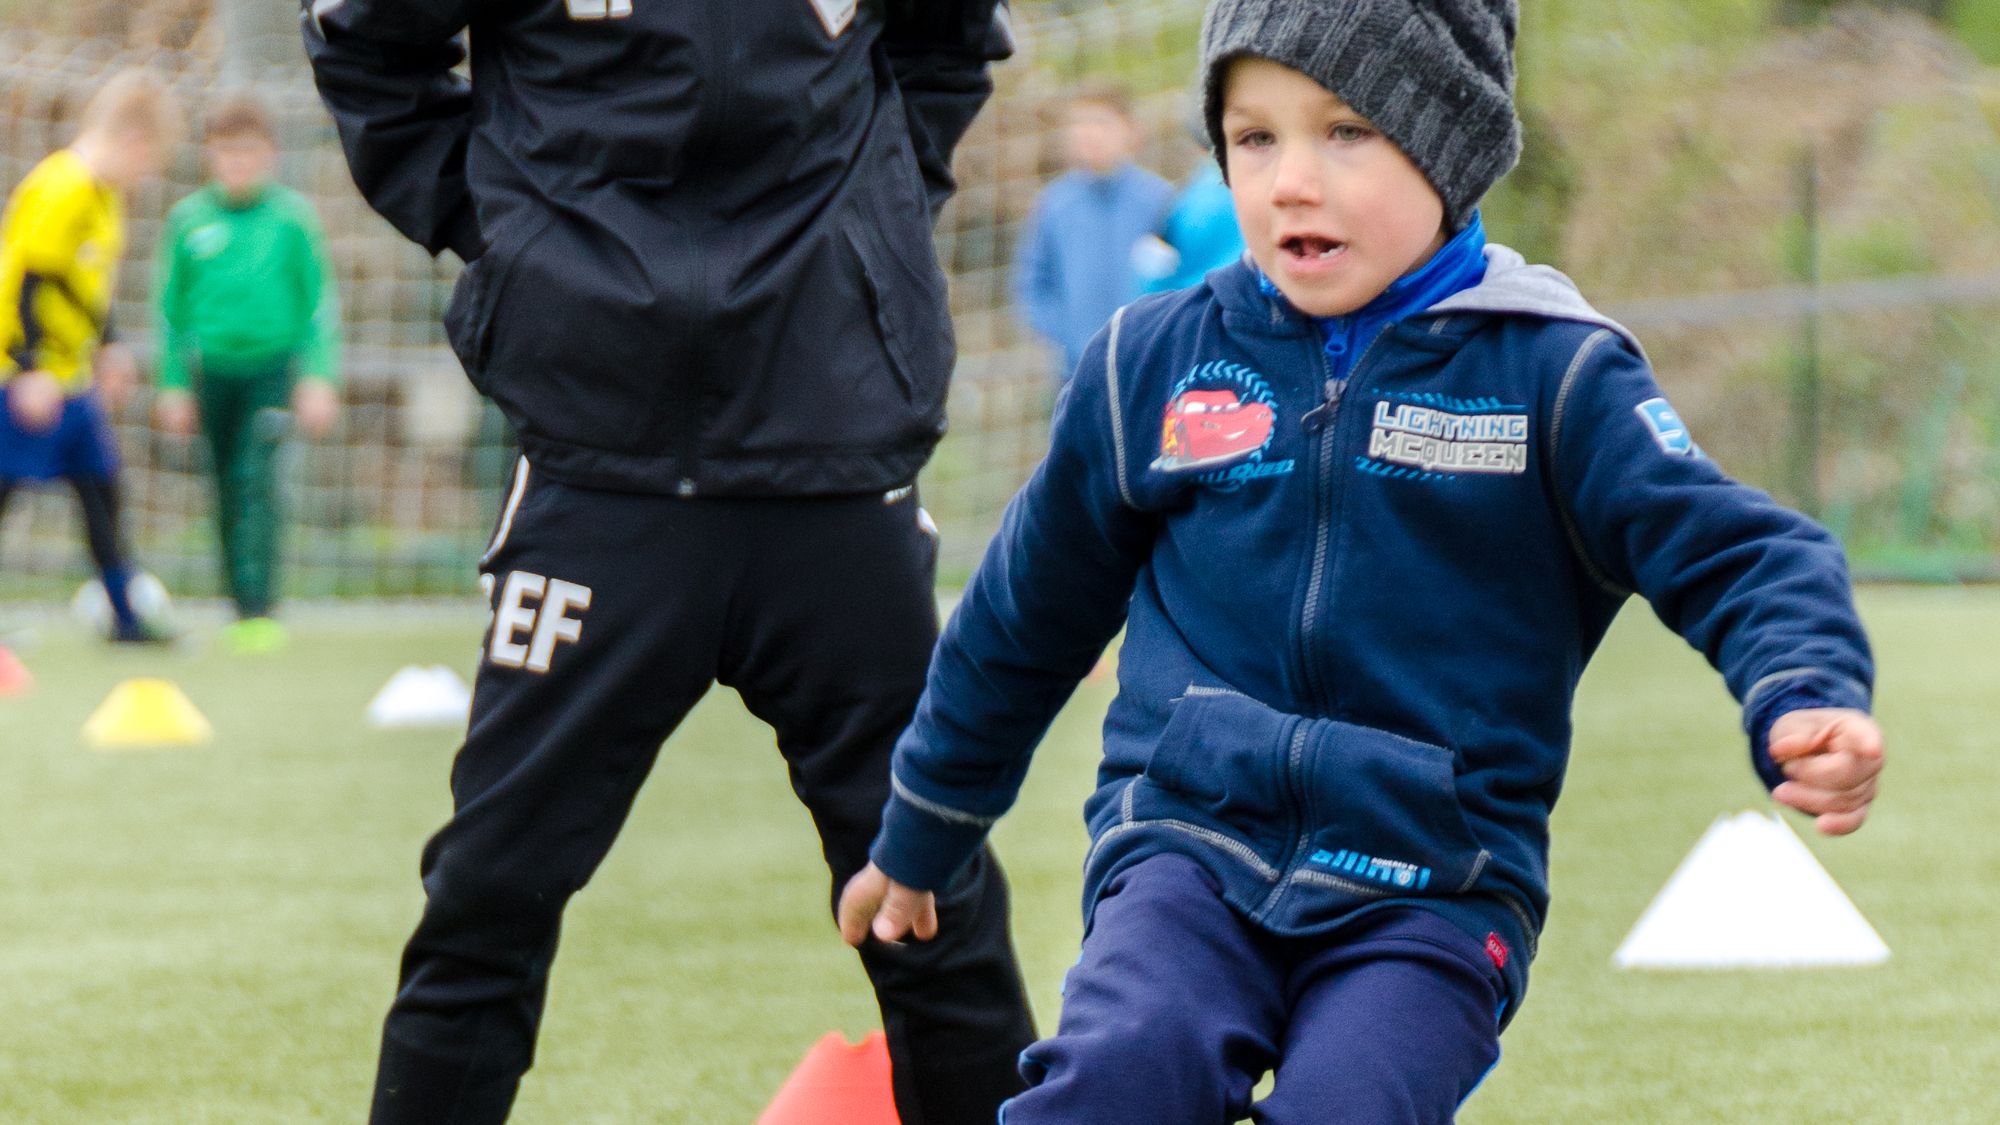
{"points": [[1436, 76]]}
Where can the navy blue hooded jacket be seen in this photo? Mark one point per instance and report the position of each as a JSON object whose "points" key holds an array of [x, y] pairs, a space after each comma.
{"points": [[698, 231], [1361, 569]]}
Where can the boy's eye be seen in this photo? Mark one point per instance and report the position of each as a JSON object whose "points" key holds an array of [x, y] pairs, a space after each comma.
{"points": [[1253, 138], [1347, 132]]}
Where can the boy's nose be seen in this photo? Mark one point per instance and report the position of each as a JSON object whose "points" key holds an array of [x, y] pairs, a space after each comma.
{"points": [[1297, 181]]}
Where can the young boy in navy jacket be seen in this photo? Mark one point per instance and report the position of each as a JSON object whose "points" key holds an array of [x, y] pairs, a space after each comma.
{"points": [[1365, 503]]}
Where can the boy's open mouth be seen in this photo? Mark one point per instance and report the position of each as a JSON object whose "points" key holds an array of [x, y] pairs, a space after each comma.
{"points": [[1309, 247]]}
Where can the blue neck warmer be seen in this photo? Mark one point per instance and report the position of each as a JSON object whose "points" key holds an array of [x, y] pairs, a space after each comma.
{"points": [[1459, 264]]}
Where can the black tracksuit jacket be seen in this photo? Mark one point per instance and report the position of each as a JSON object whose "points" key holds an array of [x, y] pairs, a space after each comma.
{"points": [[698, 231]]}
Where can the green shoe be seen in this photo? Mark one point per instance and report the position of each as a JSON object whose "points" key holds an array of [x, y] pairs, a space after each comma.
{"points": [[255, 636]]}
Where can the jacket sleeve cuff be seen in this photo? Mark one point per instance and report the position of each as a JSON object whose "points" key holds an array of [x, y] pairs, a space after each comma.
{"points": [[922, 843], [1785, 692]]}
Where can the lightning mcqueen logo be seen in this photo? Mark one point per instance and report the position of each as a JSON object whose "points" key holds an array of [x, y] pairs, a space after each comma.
{"points": [[1211, 427]]}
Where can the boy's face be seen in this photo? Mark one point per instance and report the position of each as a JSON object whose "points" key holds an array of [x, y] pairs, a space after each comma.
{"points": [[1332, 210], [241, 163], [1098, 136], [132, 156]]}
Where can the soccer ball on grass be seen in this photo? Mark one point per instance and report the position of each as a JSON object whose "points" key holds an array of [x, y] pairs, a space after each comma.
{"points": [[147, 594]]}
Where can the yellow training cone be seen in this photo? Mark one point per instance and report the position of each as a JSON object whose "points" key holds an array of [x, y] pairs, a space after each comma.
{"points": [[145, 713]]}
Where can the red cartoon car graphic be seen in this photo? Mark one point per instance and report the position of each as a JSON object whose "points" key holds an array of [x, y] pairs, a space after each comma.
{"points": [[1206, 428]]}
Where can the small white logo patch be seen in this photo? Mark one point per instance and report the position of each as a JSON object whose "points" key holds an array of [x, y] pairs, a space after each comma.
{"points": [[834, 15], [208, 240], [599, 9], [1667, 427]]}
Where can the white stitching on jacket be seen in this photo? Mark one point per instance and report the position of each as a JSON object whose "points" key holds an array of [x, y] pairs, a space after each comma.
{"points": [[1590, 566], [942, 812], [1117, 412]]}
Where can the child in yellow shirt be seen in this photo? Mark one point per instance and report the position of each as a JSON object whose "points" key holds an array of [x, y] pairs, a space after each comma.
{"points": [[61, 237]]}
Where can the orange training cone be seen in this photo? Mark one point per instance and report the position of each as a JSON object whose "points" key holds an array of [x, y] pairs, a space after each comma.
{"points": [[837, 1083], [15, 678]]}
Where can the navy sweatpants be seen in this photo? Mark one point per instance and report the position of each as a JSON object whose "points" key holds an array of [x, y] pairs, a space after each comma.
{"points": [[81, 450], [1178, 1007], [613, 614]]}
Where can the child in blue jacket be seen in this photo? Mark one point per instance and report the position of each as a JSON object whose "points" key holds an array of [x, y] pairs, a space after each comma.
{"points": [[1365, 506], [1076, 261]]}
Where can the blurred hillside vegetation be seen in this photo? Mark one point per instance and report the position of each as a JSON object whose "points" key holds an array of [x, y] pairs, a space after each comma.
{"points": [[1719, 146]]}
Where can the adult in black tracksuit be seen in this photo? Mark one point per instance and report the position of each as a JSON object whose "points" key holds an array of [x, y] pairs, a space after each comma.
{"points": [[700, 283]]}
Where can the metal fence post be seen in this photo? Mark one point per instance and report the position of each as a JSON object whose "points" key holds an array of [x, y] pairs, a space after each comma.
{"points": [[1803, 469]]}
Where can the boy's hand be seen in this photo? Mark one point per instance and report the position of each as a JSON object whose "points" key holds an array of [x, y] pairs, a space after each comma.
{"points": [[873, 901], [315, 405], [115, 371], [36, 400], [1830, 757], [173, 412]]}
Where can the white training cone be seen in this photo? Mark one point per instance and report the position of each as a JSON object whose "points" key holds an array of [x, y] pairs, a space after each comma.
{"points": [[1750, 896], [421, 697]]}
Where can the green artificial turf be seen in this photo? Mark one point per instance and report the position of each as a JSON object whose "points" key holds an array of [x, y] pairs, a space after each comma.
{"points": [[211, 934]]}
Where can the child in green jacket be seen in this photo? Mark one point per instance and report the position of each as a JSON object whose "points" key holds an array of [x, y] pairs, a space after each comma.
{"points": [[248, 325]]}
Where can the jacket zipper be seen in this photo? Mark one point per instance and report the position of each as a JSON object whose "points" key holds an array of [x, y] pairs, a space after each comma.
{"points": [[713, 111], [1289, 778], [1295, 801], [1321, 422]]}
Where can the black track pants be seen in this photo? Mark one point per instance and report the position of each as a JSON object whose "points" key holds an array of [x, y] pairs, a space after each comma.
{"points": [[614, 612]]}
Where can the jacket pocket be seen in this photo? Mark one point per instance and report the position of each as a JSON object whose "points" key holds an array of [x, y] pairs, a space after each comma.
{"points": [[468, 319], [583, 348], [1384, 814], [1219, 767], [907, 303]]}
